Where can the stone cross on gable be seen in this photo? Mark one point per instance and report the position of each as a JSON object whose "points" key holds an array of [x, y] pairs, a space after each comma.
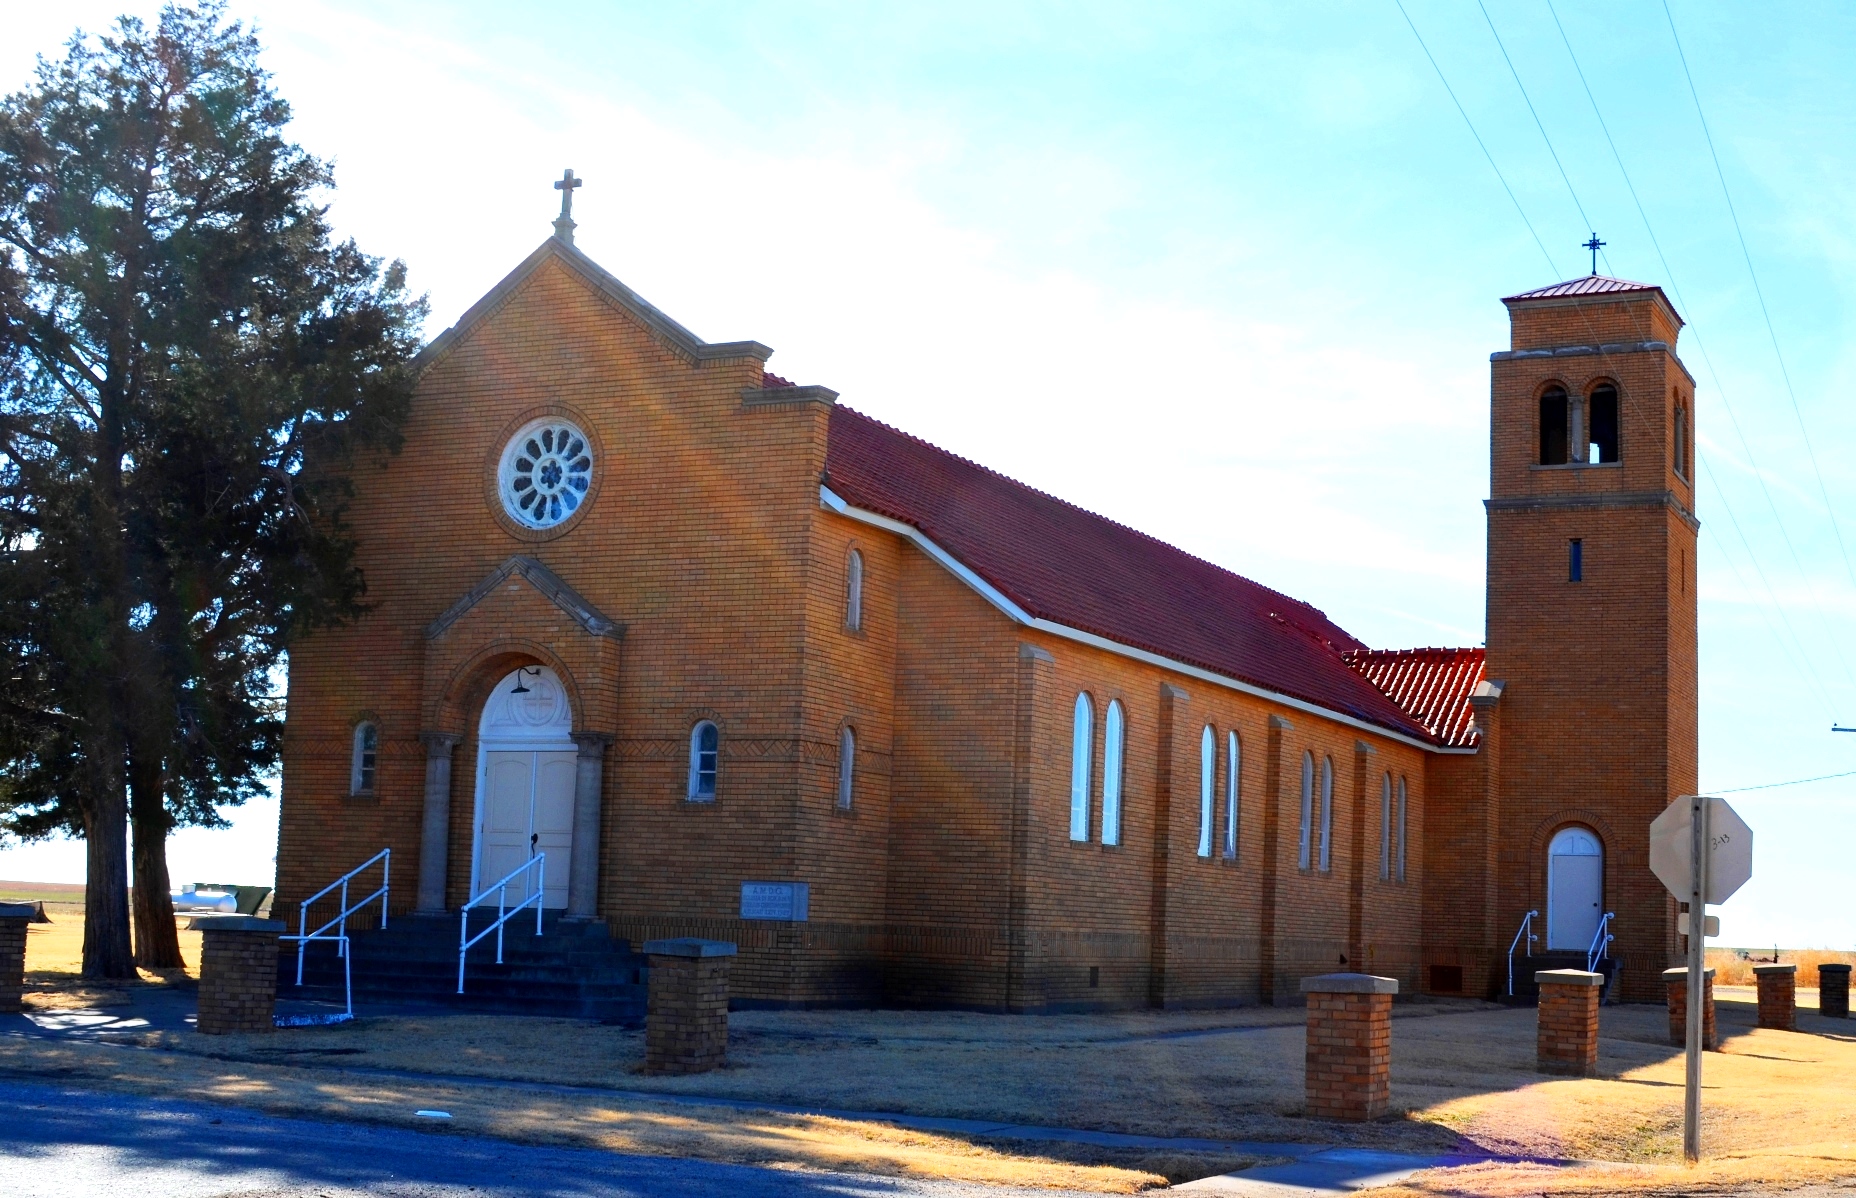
{"points": [[564, 224]]}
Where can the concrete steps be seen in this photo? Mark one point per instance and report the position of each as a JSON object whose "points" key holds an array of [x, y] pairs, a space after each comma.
{"points": [[1527, 993], [573, 968]]}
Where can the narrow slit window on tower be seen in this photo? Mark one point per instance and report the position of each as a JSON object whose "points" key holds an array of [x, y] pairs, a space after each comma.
{"points": [[1575, 560], [1680, 456], [1554, 434], [1602, 416]]}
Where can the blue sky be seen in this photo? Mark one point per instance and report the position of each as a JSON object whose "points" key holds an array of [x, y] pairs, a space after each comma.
{"points": [[1226, 272]]}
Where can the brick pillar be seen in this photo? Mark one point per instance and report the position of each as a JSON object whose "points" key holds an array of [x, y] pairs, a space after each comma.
{"points": [[1778, 996], [238, 973], [1833, 991], [13, 920], [686, 1017], [1567, 1037], [1675, 984], [1349, 1062]]}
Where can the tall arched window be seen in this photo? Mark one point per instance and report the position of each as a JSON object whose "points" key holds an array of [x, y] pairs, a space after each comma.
{"points": [[1327, 814], [1233, 760], [1401, 829], [1602, 415], [1555, 430], [361, 762], [1679, 455], [705, 747], [1385, 829], [1308, 810], [1111, 773], [1208, 770], [847, 766], [1082, 734], [854, 591]]}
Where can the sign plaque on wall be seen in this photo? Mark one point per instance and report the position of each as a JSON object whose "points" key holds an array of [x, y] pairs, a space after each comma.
{"points": [[775, 900]]}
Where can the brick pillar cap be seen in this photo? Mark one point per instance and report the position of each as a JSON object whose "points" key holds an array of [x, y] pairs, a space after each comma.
{"points": [[1349, 983], [1679, 973], [18, 910], [1568, 977], [1774, 969], [234, 923], [688, 946], [1833, 967]]}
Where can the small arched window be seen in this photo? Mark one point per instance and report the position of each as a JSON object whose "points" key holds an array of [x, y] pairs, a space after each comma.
{"points": [[847, 766], [1385, 829], [1401, 829], [1082, 737], [1308, 810], [1233, 760], [1111, 773], [362, 760], [705, 748], [1208, 770], [1602, 415], [1555, 429], [1327, 814], [854, 591]]}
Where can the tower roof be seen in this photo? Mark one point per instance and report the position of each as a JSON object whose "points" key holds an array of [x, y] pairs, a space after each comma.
{"points": [[1596, 285]]}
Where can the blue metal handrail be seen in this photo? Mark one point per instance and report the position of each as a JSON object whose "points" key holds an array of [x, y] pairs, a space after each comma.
{"points": [[340, 920], [504, 912], [1526, 929], [1600, 948]]}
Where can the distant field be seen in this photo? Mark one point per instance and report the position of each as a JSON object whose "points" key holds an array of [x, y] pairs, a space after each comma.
{"points": [[41, 892], [1734, 966]]}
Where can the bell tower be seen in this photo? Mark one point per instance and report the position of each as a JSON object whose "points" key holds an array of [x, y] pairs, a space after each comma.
{"points": [[1591, 613]]}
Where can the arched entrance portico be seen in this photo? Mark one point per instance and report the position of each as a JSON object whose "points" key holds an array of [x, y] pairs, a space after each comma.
{"points": [[526, 770], [1575, 889]]}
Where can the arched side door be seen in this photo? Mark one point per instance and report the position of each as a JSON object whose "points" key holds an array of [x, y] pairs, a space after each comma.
{"points": [[1575, 889]]}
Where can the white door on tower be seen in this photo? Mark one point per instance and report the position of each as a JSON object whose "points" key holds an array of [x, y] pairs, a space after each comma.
{"points": [[1575, 889], [525, 787]]}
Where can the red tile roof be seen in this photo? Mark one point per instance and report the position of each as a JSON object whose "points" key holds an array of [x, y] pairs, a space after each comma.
{"points": [[1060, 563], [1434, 685], [1589, 285], [770, 381]]}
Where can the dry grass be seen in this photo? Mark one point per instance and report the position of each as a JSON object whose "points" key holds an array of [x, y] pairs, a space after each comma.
{"points": [[1734, 966], [55, 955]]}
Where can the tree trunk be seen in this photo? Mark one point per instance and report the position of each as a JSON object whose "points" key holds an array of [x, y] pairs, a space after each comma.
{"points": [[157, 942], [106, 869]]}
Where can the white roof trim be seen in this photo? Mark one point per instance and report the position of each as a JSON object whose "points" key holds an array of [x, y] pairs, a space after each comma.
{"points": [[833, 502]]}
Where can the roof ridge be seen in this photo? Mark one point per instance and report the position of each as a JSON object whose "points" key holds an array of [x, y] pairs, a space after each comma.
{"points": [[1077, 507]]}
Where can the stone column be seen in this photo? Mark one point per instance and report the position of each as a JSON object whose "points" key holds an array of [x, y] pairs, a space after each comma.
{"points": [[1675, 983], [435, 830], [13, 920], [238, 973], [1833, 991], [1566, 1040], [686, 1016], [1349, 1055], [1778, 996], [589, 793]]}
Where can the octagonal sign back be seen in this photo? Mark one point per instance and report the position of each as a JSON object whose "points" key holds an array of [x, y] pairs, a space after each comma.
{"points": [[1730, 860]]}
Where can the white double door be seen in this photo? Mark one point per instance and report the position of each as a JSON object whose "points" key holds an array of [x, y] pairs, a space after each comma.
{"points": [[526, 807]]}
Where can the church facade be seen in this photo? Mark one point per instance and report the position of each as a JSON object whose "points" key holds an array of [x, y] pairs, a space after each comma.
{"points": [[733, 660]]}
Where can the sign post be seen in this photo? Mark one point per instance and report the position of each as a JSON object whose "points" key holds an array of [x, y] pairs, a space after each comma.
{"points": [[1702, 851]]}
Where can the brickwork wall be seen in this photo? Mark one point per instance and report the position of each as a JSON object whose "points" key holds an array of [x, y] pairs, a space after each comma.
{"points": [[1349, 1056], [1462, 942], [1778, 996], [1566, 1039], [1676, 988], [1606, 664], [686, 1014], [238, 982], [12, 963]]}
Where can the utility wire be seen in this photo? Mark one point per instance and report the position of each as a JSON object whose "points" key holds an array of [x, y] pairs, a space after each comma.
{"points": [[1784, 372], [1479, 142], [1734, 790]]}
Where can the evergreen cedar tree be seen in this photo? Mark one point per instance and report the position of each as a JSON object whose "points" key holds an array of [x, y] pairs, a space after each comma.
{"points": [[189, 364]]}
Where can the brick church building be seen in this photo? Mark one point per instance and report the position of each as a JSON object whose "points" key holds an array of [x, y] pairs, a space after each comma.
{"points": [[740, 662]]}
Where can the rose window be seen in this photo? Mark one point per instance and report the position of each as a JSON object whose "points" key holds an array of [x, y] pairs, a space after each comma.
{"points": [[545, 473]]}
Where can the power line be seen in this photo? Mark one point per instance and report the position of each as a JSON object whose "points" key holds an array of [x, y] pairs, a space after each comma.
{"points": [[1785, 373], [1734, 790], [1479, 142]]}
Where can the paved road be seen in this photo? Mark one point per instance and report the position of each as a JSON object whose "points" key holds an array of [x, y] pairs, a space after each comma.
{"points": [[59, 1142]]}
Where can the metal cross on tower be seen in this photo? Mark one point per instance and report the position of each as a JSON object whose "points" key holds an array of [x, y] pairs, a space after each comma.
{"points": [[564, 224], [1592, 245]]}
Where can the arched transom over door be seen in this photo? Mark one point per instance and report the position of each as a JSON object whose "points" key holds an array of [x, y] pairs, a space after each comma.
{"points": [[1575, 889], [525, 785]]}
